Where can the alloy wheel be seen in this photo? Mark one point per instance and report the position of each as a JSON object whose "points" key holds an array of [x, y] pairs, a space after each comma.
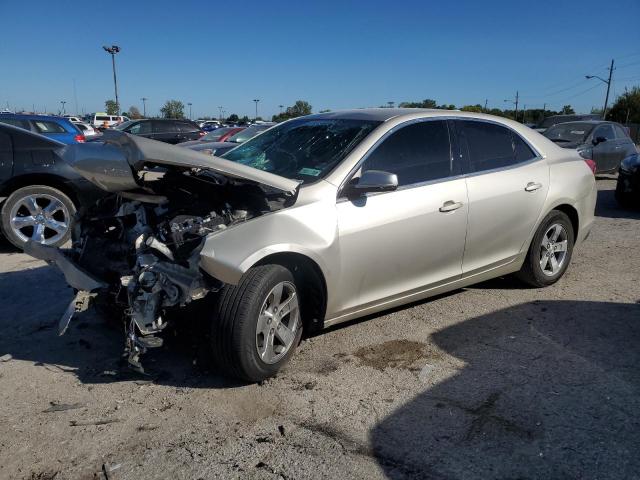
{"points": [[278, 323], [41, 218], [553, 249]]}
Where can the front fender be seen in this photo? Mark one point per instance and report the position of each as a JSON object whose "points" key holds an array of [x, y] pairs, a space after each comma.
{"points": [[309, 230]]}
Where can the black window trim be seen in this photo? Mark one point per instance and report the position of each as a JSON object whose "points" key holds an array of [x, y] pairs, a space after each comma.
{"points": [[537, 155], [455, 148]]}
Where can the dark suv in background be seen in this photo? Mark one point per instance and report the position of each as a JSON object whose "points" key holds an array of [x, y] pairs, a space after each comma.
{"points": [[165, 130]]}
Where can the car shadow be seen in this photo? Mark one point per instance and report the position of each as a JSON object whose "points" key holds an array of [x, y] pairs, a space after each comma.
{"points": [[34, 300], [548, 389], [607, 206]]}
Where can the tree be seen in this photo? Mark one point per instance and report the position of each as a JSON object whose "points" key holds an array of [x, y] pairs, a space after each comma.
{"points": [[567, 110], [426, 103], [626, 108], [233, 118], [298, 109], [173, 109], [134, 113], [111, 107], [472, 108]]}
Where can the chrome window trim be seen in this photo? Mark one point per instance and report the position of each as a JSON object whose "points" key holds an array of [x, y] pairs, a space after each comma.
{"points": [[538, 156]]}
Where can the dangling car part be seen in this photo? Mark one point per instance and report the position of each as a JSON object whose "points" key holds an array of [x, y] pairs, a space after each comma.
{"points": [[316, 221]]}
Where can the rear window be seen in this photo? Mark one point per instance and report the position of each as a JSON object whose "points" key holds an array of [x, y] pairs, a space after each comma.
{"points": [[491, 146], [185, 127], [49, 127], [102, 118]]}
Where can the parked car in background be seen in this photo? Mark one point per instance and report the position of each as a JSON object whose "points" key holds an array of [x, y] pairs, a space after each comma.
{"points": [[322, 219], [165, 130], [210, 125], [218, 135], [39, 192], [556, 119], [57, 128], [72, 119], [99, 120], [220, 148], [628, 185], [86, 129], [606, 143]]}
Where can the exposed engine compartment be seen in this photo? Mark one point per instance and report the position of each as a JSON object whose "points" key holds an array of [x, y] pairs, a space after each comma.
{"points": [[145, 244]]}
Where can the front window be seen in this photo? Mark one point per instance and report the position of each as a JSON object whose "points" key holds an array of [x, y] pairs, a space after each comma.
{"points": [[123, 126], [303, 149], [569, 132]]}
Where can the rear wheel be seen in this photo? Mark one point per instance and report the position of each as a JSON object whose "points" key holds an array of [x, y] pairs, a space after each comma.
{"points": [[550, 251], [39, 213], [257, 324]]}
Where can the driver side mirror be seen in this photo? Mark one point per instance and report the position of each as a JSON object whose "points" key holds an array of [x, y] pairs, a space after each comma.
{"points": [[373, 181], [598, 140]]}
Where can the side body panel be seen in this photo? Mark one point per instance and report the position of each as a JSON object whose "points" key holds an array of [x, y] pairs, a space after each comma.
{"points": [[399, 241], [502, 214]]}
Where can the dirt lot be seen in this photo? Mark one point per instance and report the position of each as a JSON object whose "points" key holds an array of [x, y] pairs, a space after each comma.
{"points": [[494, 381]]}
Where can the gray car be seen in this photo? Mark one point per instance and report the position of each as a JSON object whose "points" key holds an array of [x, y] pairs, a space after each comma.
{"points": [[606, 143], [220, 148], [316, 221]]}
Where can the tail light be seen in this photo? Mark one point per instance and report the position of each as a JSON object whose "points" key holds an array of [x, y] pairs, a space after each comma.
{"points": [[591, 164], [79, 138]]}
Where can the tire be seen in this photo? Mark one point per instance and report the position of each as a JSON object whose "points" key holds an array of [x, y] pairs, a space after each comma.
{"points": [[248, 312], [623, 198], [532, 271], [38, 212]]}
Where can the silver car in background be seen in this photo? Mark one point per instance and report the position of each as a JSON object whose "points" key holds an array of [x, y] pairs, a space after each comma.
{"points": [[320, 220]]}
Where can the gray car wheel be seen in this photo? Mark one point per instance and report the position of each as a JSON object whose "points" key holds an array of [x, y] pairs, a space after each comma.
{"points": [[550, 251], [257, 324], [39, 213]]}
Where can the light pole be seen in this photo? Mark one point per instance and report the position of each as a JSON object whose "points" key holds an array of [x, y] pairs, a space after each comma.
{"points": [[256, 100], [144, 106], [608, 82], [112, 50], [281, 107], [63, 110], [189, 109], [391, 104]]}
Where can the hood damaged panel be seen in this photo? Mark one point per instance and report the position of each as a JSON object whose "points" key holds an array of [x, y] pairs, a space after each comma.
{"points": [[139, 151]]}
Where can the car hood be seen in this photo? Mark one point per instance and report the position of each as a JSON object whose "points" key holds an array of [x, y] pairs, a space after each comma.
{"points": [[213, 145], [568, 144], [109, 162]]}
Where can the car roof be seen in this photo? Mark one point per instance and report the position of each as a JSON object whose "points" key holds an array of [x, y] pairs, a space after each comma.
{"points": [[588, 120], [24, 116]]}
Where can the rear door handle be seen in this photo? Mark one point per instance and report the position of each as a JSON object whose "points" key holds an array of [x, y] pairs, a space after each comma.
{"points": [[533, 186], [450, 206]]}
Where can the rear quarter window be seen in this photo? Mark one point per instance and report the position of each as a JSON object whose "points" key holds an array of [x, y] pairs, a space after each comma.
{"points": [[44, 126]]}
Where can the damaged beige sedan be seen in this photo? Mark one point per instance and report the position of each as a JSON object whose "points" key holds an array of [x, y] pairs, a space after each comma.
{"points": [[318, 220]]}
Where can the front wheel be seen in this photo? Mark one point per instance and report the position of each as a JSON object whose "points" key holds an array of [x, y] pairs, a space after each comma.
{"points": [[39, 213], [257, 324], [550, 251]]}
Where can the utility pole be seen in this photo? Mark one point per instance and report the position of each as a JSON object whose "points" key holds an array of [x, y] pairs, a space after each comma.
{"points": [[144, 106], [608, 82], [189, 109], [63, 110], [515, 113], [524, 115], [486, 102], [112, 50], [256, 100], [220, 109]]}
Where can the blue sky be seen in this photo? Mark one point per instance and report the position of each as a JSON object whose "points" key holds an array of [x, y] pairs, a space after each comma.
{"points": [[334, 54]]}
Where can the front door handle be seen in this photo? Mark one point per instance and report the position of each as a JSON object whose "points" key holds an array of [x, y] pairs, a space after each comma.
{"points": [[450, 206], [533, 186]]}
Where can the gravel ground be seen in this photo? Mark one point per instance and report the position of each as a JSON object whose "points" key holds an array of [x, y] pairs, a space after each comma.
{"points": [[493, 381]]}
